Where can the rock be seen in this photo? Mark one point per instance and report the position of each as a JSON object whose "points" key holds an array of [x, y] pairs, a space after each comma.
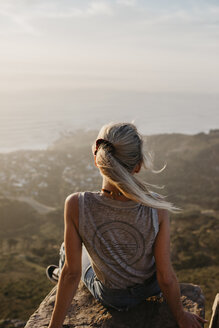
{"points": [[86, 312], [215, 313]]}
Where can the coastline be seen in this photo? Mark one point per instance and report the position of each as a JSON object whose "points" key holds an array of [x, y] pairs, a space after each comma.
{"points": [[43, 146]]}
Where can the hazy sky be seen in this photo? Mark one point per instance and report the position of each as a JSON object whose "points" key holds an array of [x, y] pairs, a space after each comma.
{"points": [[150, 46]]}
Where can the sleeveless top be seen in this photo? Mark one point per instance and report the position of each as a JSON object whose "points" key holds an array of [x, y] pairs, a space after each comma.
{"points": [[119, 237]]}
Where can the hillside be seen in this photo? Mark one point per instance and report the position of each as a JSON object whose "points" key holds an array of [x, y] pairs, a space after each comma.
{"points": [[191, 175], [34, 185]]}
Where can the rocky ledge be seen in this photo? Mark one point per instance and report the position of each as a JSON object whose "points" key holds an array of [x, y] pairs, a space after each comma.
{"points": [[85, 311]]}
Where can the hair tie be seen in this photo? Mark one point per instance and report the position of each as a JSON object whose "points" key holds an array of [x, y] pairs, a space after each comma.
{"points": [[106, 144]]}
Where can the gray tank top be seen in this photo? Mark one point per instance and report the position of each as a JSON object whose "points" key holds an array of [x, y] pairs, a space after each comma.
{"points": [[119, 237]]}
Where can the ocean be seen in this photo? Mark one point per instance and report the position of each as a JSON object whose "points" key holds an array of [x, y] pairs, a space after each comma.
{"points": [[35, 119]]}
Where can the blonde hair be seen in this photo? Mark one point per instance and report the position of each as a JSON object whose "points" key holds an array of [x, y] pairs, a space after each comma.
{"points": [[118, 161]]}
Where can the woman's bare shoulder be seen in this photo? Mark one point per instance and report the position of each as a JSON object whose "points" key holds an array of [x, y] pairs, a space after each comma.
{"points": [[163, 215], [72, 207], [72, 199]]}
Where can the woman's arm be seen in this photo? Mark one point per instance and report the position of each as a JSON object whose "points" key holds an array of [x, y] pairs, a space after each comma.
{"points": [[167, 278], [71, 272]]}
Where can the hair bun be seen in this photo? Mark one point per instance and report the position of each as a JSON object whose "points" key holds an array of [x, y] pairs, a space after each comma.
{"points": [[106, 144]]}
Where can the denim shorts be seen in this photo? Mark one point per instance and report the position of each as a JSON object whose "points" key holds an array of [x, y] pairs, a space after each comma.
{"points": [[119, 299]]}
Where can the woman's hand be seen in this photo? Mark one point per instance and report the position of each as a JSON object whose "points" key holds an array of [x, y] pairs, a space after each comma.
{"points": [[190, 320]]}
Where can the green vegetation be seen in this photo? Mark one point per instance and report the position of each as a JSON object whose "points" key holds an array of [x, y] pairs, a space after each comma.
{"points": [[195, 251], [31, 234], [23, 287], [194, 240]]}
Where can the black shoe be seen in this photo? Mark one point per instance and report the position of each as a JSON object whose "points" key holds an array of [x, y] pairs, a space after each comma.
{"points": [[52, 272]]}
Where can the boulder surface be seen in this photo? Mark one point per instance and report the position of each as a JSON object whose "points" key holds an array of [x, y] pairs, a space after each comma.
{"points": [[85, 311]]}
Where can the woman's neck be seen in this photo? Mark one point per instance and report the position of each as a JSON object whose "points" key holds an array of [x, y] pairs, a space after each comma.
{"points": [[111, 191]]}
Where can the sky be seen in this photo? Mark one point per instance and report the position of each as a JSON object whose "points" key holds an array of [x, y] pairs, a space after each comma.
{"points": [[144, 46], [69, 64]]}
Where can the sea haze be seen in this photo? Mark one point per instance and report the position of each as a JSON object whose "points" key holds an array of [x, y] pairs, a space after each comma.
{"points": [[34, 119]]}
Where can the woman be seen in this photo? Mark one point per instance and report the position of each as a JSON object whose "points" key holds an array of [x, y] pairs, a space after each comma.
{"points": [[125, 230]]}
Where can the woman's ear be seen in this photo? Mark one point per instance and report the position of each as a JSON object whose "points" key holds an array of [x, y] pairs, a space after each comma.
{"points": [[138, 167], [95, 160]]}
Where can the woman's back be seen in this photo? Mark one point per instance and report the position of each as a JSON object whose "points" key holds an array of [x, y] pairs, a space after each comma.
{"points": [[119, 236]]}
